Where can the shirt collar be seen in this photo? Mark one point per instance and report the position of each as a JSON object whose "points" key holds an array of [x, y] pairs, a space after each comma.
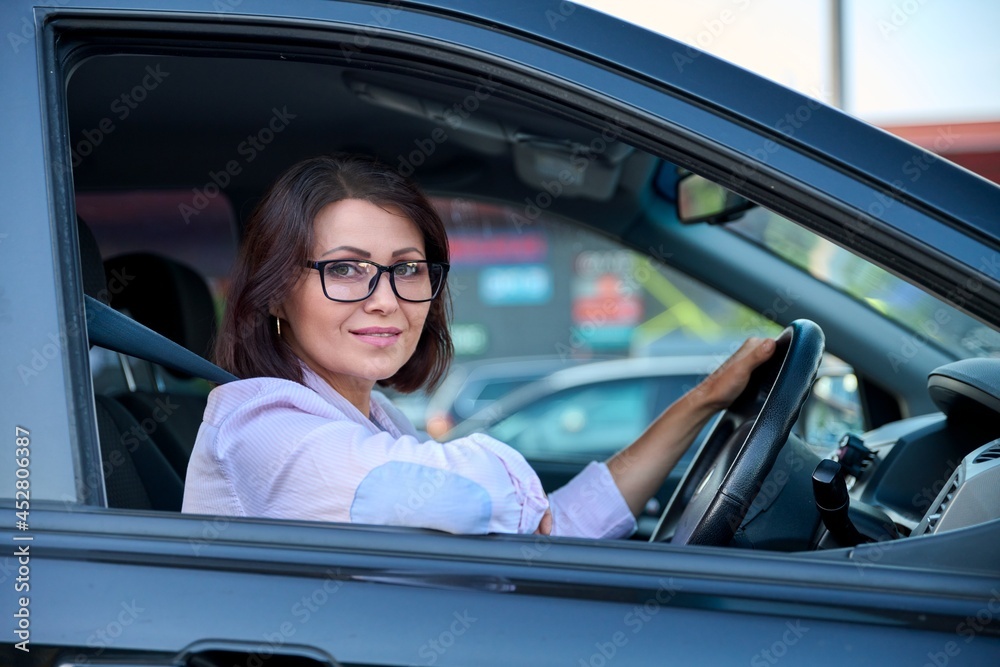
{"points": [[312, 380]]}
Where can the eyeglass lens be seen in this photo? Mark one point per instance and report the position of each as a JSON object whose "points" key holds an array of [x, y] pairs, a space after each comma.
{"points": [[350, 280]]}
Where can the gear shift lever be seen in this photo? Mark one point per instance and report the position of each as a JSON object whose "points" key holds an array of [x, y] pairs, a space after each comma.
{"points": [[834, 505]]}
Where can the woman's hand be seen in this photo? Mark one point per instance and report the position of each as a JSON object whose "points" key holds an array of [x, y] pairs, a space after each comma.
{"points": [[545, 525], [720, 389]]}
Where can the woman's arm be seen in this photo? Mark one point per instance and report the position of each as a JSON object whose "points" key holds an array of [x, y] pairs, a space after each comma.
{"points": [[639, 469]]}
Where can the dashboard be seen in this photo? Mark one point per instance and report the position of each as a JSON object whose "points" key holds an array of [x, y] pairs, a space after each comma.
{"points": [[935, 472]]}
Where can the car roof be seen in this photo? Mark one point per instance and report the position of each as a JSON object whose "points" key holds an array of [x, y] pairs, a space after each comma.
{"points": [[639, 367], [472, 376]]}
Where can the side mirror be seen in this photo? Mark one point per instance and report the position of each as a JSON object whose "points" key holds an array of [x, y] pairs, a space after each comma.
{"points": [[701, 200]]}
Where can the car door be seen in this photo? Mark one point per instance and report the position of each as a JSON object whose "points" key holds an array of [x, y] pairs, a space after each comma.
{"points": [[85, 584]]}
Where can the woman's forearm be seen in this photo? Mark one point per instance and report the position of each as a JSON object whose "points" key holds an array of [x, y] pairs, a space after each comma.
{"points": [[639, 469]]}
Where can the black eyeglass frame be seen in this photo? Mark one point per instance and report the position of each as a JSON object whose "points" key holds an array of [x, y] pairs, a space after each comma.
{"points": [[320, 266]]}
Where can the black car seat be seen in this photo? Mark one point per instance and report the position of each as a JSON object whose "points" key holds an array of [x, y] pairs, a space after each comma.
{"points": [[174, 301], [136, 474]]}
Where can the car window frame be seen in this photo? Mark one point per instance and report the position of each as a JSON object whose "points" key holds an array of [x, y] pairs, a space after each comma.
{"points": [[646, 127]]}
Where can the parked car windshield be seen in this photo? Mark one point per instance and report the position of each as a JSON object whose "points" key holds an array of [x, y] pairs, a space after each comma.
{"points": [[592, 420], [927, 317]]}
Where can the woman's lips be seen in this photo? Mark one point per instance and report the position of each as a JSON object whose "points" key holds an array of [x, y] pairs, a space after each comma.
{"points": [[378, 336]]}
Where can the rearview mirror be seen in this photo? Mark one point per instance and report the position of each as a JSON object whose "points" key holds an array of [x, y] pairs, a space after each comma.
{"points": [[701, 200]]}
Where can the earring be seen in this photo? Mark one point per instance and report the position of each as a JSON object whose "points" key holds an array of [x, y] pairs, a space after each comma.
{"points": [[279, 325]]}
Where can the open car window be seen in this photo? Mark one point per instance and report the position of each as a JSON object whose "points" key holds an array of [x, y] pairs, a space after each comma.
{"points": [[540, 131], [543, 249]]}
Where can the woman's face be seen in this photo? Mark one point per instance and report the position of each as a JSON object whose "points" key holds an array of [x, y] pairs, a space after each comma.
{"points": [[352, 345]]}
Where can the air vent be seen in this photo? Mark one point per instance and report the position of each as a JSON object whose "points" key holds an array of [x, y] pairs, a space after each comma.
{"points": [[941, 504], [989, 454], [971, 496]]}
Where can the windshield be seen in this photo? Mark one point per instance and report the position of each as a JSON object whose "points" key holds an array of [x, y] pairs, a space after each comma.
{"points": [[898, 300]]}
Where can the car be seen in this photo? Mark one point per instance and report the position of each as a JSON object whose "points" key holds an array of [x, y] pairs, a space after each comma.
{"points": [[588, 411], [604, 188], [472, 386]]}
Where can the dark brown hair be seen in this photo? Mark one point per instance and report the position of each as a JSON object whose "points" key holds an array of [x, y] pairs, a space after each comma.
{"points": [[278, 241]]}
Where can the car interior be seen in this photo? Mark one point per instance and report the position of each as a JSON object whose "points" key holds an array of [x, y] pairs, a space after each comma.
{"points": [[173, 141]]}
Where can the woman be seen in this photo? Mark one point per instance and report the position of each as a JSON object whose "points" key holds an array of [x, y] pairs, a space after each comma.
{"points": [[313, 325]]}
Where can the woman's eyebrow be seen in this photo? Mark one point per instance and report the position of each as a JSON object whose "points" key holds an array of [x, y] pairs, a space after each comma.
{"points": [[403, 251], [349, 248], [367, 255]]}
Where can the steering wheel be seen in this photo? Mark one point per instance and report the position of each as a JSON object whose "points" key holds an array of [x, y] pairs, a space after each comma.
{"points": [[716, 492]]}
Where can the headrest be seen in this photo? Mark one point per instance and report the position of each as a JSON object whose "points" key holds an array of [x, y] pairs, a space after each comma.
{"points": [[94, 282], [164, 295]]}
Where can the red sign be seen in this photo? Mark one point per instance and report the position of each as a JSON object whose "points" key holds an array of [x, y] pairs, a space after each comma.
{"points": [[497, 249], [604, 300]]}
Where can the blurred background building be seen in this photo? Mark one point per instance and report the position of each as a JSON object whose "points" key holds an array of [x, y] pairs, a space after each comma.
{"points": [[925, 70]]}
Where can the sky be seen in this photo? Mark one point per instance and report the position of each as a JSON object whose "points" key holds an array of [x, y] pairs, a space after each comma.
{"points": [[904, 61]]}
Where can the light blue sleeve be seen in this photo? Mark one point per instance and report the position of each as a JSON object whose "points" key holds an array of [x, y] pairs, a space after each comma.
{"points": [[399, 493]]}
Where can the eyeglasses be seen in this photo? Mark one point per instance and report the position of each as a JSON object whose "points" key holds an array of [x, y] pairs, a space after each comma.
{"points": [[348, 280]]}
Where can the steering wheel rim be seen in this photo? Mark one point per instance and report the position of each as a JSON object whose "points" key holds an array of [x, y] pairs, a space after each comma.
{"points": [[726, 474]]}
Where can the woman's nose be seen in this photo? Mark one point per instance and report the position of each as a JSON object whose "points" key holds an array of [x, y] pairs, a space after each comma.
{"points": [[383, 298]]}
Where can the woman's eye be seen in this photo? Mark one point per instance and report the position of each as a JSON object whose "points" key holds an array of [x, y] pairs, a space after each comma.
{"points": [[343, 270], [408, 270]]}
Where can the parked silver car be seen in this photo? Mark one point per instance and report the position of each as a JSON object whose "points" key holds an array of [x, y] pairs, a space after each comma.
{"points": [[590, 411]]}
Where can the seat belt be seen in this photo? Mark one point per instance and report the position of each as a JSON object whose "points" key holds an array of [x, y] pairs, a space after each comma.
{"points": [[109, 328]]}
